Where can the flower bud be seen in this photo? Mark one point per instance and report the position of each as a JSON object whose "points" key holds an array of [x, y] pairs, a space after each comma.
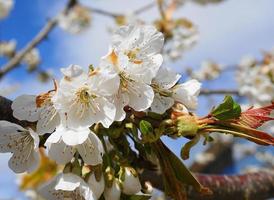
{"points": [[96, 186], [187, 125], [113, 192], [130, 181]]}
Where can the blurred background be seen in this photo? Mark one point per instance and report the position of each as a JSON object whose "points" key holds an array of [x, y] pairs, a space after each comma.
{"points": [[223, 33]]}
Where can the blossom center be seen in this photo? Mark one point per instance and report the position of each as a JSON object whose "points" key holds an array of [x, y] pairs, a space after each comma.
{"points": [[132, 56], [84, 95], [161, 91]]}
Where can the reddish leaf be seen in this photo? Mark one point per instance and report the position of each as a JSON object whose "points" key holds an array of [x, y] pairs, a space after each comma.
{"points": [[255, 118], [256, 136]]}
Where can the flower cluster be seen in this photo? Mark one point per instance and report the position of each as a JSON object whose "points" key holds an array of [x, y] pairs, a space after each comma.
{"points": [[7, 48], [5, 8], [131, 75], [256, 79], [209, 70], [75, 20]]}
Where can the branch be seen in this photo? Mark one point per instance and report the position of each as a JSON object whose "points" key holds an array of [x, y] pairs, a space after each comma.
{"points": [[252, 186], [44, 32], [115, 15], [220, 91]]}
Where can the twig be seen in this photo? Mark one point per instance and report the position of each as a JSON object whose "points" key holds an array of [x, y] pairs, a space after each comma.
{"points": [[251, 186], [144, 8], [115, 15], [15, 61], [219, 91]]}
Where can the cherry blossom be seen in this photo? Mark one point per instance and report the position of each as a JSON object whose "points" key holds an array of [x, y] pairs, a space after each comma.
{"points": [[5, 8], [64, 142], [7, 48], [84, 98], [22, 143], [67, 186], [37, 108], [167, 92], [135, 56], [76, 20]]}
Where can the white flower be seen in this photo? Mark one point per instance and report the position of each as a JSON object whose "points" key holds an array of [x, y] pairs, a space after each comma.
{"points": [[167, 92], [5, 8], [76, 20], [72, 71], [7, 48], [67, 187], [135, 57], [23, 143], [32, 58], [96, 186], [187, 93], [64, 142], [209, 70], [184, 36], [84, 98], [162, 85], [37, 108], [113, 192], [131, 183]]}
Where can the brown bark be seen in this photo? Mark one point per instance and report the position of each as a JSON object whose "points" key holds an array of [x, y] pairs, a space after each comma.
{"points": [[252, 186]]}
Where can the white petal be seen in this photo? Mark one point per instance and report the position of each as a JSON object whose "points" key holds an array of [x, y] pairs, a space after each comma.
{"points": [[24, 108], [140, 96], [145, 71], [161, 104], [60, 152], [91, 150], [131, 184], [101, 110], [114, 192], [25, 160], [96, 186], [74, 137], [35, 137], [104, 82], [49, 119], [187, 93], [66, 186], [72, 71], [144, 37], [120, 101], [55, 137], [9, 134], [68, 182], [166, 78]]}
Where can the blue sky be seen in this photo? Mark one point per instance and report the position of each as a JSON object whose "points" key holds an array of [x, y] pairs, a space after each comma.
{"points": [[227, 32]]}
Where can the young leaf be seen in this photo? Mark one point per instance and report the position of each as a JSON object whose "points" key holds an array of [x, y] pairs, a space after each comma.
{"points": [[251, 134], [255, 118], [145, 127], [229, 109]]}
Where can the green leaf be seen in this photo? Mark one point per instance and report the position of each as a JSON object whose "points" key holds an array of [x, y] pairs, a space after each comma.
{"points": [[229, 109], [145, 127], [182, 172]]}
